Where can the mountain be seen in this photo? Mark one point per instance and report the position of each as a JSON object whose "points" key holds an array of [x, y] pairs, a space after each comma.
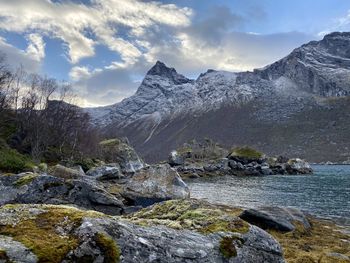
{"points": [[299, 105]]}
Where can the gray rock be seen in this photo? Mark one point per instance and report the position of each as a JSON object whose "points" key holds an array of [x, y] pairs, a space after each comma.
{"points": [[176, 159], [115, 150], [155, 183], [141, 244], [278, 218], [16, 251], [46, 189], [65, 172], [106, 172], [298, 166]]}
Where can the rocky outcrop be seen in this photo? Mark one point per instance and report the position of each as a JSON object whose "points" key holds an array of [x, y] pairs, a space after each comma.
{"points": [[105, 188], [153, 184], [277, 218], [247, 163], [118, 151], [47, 189], [71, 235]]}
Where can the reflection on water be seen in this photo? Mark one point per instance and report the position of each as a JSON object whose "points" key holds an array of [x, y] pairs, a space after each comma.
{"points": [[326, 193]]}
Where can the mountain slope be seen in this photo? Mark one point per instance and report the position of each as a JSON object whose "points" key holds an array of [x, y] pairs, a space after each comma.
{"points": [[296, 106]]}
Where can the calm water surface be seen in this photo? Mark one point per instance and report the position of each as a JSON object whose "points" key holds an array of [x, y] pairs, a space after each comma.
{"points": [[325, 194]]}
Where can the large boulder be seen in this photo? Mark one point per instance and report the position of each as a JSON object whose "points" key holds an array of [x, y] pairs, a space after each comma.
{"points": [[117, 151], [277, 218], [155, 183], [176, 159], [46, 189], [298, 166], [66, 234], [66, 172], [106, 172]]}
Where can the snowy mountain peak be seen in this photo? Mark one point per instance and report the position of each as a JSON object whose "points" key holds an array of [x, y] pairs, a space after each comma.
{"points": [[162, 70], [319, 68]]}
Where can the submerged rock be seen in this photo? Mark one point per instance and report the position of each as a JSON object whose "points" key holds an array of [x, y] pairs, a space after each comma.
{"points": [[277, 218]]}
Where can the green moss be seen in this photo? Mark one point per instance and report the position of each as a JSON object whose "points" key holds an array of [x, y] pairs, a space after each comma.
{"points": [[109, 248], [12, 161], [246, 152], [227, 247], [24, 180], [40, 234], [191, 214]]}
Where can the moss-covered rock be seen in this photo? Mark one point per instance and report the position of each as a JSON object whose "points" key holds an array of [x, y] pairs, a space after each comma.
{"points": [[25, 179], [192, 214], [48, 231], [109, 247], [246, 152], [117, 151]]}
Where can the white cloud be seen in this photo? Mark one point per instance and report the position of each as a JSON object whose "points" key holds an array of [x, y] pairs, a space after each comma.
{"points": [[36, 47], [16, 57], [82, 27], [338, 24]]}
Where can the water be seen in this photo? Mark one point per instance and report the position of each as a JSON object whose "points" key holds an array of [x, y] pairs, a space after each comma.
{"points": [[324, 194]]}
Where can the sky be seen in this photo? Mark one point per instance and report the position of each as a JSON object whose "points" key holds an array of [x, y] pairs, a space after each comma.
{"points": [[105, 47]]}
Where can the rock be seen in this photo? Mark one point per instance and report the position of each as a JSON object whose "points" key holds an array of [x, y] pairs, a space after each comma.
{"points": [[65, 172], [14, 251], [265, 170], [155, 183], [277, 218], [46, 189], [73, 235], [115, 150], [175, 159], [298, 166], [248, 243], [106, 172], [282, 159]]}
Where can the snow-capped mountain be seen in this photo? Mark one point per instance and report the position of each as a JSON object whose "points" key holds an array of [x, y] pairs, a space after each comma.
{"points": [[167, 104]]}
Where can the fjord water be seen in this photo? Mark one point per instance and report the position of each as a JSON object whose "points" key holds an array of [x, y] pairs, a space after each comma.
{"points": [[324, 194]]}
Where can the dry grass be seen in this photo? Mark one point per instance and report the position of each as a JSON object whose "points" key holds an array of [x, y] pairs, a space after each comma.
{"points": [[311, 246]]}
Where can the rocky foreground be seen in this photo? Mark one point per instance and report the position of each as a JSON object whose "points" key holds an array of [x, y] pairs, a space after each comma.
{"points": [[122, 212]]}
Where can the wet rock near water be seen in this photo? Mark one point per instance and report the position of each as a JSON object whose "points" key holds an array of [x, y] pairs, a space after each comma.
{"points": [[237, 165], [276, 218]]}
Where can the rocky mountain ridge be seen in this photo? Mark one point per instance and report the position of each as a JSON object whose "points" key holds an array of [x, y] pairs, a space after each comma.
{"points": [[167, 103]]}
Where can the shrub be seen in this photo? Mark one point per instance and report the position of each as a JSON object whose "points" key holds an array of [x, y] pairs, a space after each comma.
{"points": [[13, 162], [246, 152]]}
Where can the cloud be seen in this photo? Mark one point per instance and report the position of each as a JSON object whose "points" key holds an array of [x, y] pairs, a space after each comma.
{"points": [[82, 27], [103, 86], [16, 57], [139, 33], [36, 47], [210, 42], [338, 24]]}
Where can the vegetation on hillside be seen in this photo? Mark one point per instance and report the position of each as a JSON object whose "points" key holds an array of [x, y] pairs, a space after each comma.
{"points": [[38, 119]]}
